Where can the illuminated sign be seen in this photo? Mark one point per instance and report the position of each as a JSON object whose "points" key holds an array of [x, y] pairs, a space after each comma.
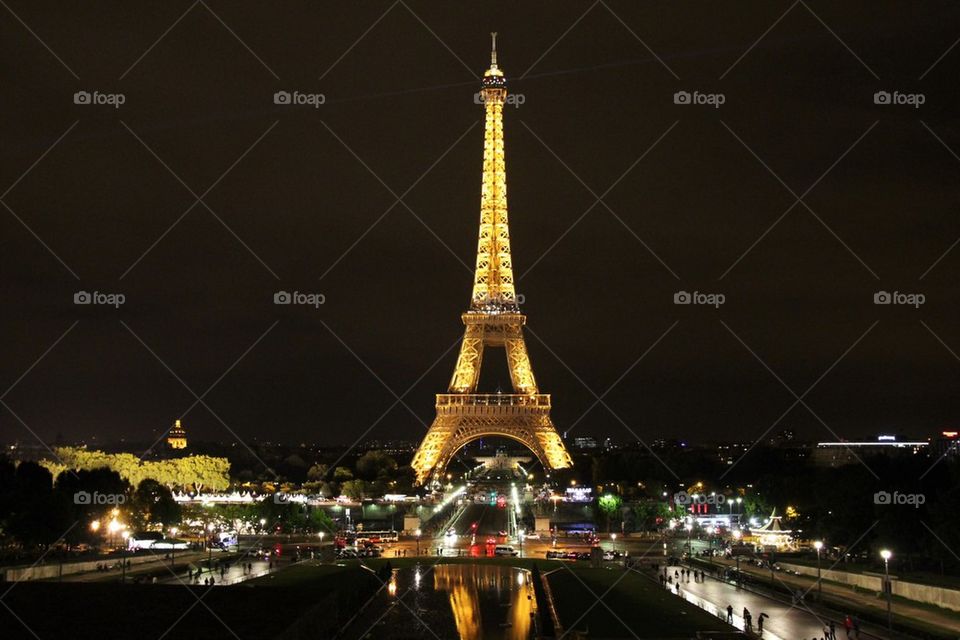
{"points": [[579, 494]]}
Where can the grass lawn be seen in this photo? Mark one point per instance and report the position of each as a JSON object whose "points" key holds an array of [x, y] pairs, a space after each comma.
{"points": [[634, 601], [315, 597]]}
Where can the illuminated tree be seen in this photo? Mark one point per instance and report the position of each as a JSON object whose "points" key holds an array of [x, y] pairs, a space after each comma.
{"points": [[609, 504]]}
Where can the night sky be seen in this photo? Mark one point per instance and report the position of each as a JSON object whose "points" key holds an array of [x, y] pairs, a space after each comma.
{"points": [[694, 198]]}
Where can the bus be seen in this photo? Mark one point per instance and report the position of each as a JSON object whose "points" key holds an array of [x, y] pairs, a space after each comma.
{"points": [[376, 537]]}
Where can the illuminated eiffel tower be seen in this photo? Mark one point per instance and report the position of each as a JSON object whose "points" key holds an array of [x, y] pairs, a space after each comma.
{"points": [[493, 320]]}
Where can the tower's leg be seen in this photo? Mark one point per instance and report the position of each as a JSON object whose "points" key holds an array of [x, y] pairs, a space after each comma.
{"points": [[521, 373], [467, 373]]}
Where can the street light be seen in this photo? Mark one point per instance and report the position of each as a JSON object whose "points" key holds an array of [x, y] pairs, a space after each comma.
{"points": [[418, 532], [210, 527], [818, 545], [123, 557], [613, 541], [173, 545], [886, 554]]}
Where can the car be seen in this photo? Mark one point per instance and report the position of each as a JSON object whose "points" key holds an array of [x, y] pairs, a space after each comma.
{"points": [[504, 550], [491, 540], [556, 555], [533, 535], [502, 534]]}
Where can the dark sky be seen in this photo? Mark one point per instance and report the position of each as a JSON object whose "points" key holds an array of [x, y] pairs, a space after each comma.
{"points": [[304, 209]]}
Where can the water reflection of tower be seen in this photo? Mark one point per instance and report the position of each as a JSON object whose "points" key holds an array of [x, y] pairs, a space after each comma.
{"points": [[507, 591]]}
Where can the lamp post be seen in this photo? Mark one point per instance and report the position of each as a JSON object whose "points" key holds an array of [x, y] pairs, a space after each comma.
{"points": [[123, 557], [886, 554], [818, 545], [210, 527], [689, 527], [418, 532], [173, 546]]}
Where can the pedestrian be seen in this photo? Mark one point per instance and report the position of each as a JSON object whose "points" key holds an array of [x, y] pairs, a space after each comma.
{"points": [[847, 625], [833, 631], [730, 613], [856, 627], [760, 620], [746, 618]]}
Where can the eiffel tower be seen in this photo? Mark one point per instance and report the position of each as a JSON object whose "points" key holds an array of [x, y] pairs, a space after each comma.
{"points": [[493, 320]]}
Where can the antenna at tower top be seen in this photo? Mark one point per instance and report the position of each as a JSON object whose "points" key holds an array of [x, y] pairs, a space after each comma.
{"points": [[493, 51]]}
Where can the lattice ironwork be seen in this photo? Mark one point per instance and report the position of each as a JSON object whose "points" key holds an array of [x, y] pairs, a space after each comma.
{"points": [[493, 320]]}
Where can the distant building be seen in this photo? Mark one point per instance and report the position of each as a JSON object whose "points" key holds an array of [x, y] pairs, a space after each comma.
{"points": [[836, 454], [585, 442], [946, 444], [177, 436]]}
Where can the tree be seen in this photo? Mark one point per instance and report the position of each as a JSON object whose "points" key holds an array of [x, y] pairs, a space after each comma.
{"points": [[375, 465], [342, 473], [355, 489], [317, 472], [609, 504], [153, 504]]}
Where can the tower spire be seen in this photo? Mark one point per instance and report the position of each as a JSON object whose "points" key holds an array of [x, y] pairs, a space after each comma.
{"points": [[493, 288]]}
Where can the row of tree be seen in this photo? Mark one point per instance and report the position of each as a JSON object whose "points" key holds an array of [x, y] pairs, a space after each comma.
{"points": [[188, 473]]}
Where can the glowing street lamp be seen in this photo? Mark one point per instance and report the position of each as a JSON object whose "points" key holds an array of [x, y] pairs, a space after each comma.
{"points": [[95, 526], [818, 545], [173, 545], [123, 557], [886, 554]]}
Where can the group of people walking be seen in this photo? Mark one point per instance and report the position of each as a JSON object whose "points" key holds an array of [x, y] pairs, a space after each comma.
{"points": [[681, 575]]}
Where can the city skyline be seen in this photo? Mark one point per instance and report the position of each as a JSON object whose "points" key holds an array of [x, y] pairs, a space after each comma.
{"points": [[300, 210]]}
